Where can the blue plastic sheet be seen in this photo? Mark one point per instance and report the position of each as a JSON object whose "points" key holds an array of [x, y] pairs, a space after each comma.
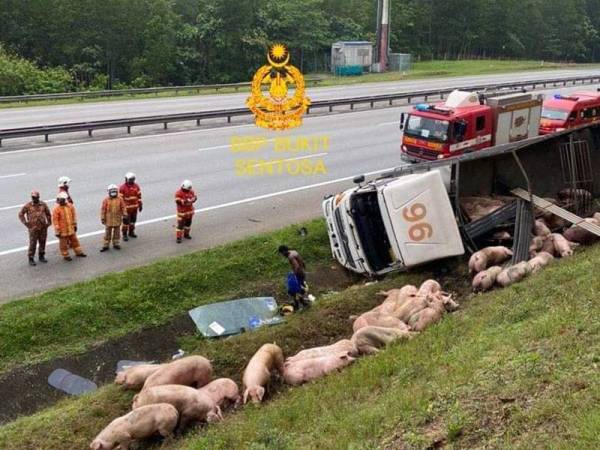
{"points": [[235, 316]]}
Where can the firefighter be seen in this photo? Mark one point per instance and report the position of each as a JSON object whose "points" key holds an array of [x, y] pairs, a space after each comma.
{"points": [[35, 215], [63, 186], [64, 219], [185, 199], [112, 213], [132, 194]]}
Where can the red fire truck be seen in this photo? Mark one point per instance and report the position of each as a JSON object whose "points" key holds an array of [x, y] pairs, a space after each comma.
{"points": [[566, 111], [467, 122]]}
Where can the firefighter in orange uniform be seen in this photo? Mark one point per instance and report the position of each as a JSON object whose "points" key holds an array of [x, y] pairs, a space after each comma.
{"points": [[185, 199], [132, 194], [112, 213], [64, 219]]}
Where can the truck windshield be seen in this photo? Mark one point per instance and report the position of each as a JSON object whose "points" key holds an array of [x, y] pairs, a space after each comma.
{"points": [[554, 114], [427, 128]]}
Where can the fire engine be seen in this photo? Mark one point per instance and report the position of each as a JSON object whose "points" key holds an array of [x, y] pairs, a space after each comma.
{"points": [[468, 122], [566, 111]]}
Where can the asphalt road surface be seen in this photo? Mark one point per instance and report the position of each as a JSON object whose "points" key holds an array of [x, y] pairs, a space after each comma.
{"points": [[48, 115], [232, 204]]}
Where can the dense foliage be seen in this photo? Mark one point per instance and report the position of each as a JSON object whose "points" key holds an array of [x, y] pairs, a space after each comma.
{"points": [[111, 43]]}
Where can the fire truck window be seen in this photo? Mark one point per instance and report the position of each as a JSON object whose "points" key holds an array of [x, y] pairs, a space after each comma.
{"points": [[480, 123]]}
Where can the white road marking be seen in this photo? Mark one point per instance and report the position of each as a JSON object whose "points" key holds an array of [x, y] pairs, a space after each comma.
{"points": [[13, 175], [396, 122], [273, 161], [216, 207]]}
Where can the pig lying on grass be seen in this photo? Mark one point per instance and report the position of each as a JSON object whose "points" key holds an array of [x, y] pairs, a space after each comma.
{"points": [[369, 340], [193, 371], [305, 370], [376, 319], [223, 391], [513, 274], [192, 405], [141, 423], [134, 377], [485, 280], [344, 345], [258, 371], [539, 261]]}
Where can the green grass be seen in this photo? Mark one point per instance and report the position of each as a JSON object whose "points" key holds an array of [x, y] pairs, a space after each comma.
{"points": [[423, 69], [515, 368], [72, 319]]}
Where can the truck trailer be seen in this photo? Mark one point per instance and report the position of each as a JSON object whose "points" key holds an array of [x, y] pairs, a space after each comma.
{"points": [[416, 213], [467, 122]]}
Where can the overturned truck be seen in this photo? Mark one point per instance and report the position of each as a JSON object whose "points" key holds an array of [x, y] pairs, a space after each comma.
{"points": [[424, 212]]}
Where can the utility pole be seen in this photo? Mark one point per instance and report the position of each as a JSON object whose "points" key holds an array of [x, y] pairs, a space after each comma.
{"points": [[383, 33]]}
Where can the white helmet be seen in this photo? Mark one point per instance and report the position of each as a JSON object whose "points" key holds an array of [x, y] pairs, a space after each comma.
{"points": [[63, 196], [129, 176], [64, 181], [112, 187], [187, 185]]}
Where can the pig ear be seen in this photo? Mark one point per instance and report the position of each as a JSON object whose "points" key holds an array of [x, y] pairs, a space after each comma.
{"points": [[344, 356], [260, 393], [246, 396]]}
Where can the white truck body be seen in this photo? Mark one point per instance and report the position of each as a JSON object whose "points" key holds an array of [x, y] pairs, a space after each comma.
{"points": [[393, 224]]}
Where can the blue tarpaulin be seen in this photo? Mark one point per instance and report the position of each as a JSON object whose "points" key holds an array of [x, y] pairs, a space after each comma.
{"points": [[235, 316]]}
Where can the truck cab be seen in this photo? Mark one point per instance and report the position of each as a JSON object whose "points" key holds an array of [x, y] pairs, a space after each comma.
{"points": [[391, 224], [467, 122], [567, 111]]}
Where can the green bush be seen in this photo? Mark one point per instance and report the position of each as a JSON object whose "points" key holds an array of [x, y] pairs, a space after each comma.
{"points": [[19, 76]]}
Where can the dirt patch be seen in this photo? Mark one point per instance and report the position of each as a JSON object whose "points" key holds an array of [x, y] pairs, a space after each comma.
{"points": [[25, 390]]}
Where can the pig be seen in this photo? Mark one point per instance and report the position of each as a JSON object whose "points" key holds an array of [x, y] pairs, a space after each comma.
{"points": [[369, 340], [141, 423], [378, 319], [429, 287], [536, 245], [192, 405], [478, 207], [548, 246], [222, 391], [311, 369], [502, 235], [134, 377], [410, 307], [561, 245], [541, 260], [597, 218], [344, 345], [489, 256], [427, 316], [571, 194], [581, 235], [195, 371], [395, 299], [512, 274], [485, 280], [258, 371], [541, 229]]}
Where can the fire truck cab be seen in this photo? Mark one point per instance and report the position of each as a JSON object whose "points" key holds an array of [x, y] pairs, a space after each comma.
{"points": [[467, 122], [567, 111]]}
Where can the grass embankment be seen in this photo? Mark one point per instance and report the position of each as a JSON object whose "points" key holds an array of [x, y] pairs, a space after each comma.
{"points": [[423, 69], [514, 368], [72, 319], [72, 423]]}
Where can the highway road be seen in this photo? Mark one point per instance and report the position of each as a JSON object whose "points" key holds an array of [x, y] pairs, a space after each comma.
{"points": [[232, 205], [48, 115]]}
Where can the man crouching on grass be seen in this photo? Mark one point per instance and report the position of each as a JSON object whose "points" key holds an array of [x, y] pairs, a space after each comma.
{"points": [[296, 280]]}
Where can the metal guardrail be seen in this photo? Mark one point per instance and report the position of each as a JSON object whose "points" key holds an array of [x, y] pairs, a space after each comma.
{"points": [[135, 91], [128, 123]]}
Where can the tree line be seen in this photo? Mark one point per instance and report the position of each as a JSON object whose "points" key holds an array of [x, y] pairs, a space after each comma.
{"points": [[61, 45]]}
